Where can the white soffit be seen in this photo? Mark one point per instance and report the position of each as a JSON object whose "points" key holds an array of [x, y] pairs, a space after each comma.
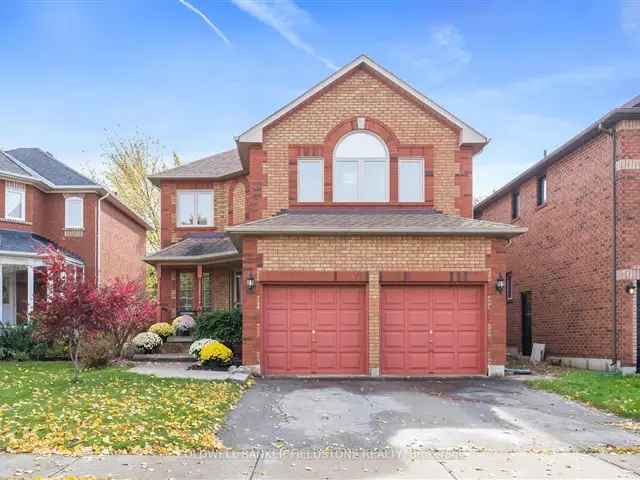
{"points": [[469, 135]]}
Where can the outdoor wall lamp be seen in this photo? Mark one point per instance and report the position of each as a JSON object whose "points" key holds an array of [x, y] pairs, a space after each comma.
{"points": [[631, 288], [251, 282], [500, 283]]}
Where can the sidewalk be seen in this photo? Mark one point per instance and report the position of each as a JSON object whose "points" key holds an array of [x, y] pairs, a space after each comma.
{"points": [[283, 465]]}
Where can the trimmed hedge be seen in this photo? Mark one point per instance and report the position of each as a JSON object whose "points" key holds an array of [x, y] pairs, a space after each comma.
{"points": [[222, 325]]}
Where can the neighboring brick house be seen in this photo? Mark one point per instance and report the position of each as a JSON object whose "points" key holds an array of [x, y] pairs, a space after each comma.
{"points": [[562, 272], [342, 225], [44, 203]]}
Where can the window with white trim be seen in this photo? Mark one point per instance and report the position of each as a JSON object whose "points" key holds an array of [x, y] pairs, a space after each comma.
{"points": [[74, 212], [411, 179], [195, 208], [14, 201], [310, 180], [360, 169]]}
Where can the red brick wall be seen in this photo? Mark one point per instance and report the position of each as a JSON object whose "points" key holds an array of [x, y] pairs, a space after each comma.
{"points": [[565, 258], [123, 244], [628, 215]]}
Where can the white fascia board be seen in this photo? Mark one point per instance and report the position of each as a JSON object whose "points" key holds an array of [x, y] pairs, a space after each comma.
{"points": [[468, 134]]}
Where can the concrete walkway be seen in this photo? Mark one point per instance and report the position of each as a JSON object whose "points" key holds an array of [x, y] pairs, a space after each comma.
{"points": [[180, 370], [281, 465]]}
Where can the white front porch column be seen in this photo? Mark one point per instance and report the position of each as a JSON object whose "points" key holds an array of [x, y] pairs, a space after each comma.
{"points": [[29, 291]]}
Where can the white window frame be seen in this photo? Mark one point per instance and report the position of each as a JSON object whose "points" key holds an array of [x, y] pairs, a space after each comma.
{"points": [[20, 188], [421, 179], [303, 160], [67, 203], [211, 222], [360, 171]]}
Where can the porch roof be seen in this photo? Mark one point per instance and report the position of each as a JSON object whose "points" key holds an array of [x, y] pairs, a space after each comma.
{"points": [[197, 248], [28, 244], [372, 221]]}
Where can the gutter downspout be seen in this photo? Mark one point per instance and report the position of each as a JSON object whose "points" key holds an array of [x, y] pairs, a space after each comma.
{"points": [[98, 242], [612, 133]]}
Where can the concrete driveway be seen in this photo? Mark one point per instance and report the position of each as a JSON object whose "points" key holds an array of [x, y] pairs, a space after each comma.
{"points": [[463, 414]]}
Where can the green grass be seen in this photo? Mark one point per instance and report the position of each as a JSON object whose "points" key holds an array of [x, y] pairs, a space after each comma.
{"points": [[109, 410], [611, 392]]}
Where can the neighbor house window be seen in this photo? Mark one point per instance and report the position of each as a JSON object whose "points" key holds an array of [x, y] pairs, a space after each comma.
{"points": [[73, 212], [542, 190], [310, 180], [515, 205], [507, 286], [207, 302], [14, 201], [195, 208], [411, 180], [185, 288], [236, 290], [361, 169]]}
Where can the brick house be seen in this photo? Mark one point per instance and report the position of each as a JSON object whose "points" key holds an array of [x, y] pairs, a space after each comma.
{"points": [[572, 277], [342, 225], [44, 203]]}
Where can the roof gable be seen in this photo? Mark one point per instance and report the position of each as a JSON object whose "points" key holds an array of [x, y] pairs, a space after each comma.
{"points": [[48, 167], [468, 135], [218, 166]]}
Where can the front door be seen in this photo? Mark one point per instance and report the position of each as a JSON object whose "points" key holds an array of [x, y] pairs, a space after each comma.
{"points": [[9, 297], [527, 319]]}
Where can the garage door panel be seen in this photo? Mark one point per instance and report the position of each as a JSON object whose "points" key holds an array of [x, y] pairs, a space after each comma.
{"points": [[314, 329], [429, 329]]}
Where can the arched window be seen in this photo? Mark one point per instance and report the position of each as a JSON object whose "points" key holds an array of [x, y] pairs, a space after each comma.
{"points": [[74, 212], [361, 169]]}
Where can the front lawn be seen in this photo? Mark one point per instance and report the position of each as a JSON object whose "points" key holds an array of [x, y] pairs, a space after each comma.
{"points": [[109, 411], [611, 392]]}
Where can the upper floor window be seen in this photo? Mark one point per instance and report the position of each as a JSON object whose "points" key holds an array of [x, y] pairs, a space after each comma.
{"points": [[14, 201], [411, 179], [542, 190], [73, 212], [195, 208], [310, 180], [515, 205], [360, 169]]}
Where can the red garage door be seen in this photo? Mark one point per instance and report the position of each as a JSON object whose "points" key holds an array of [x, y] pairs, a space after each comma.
{"points": [[432, 330], [313, 329]]}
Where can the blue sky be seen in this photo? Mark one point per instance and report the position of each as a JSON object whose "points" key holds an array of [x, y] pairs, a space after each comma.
{"points": [[529, 75]]}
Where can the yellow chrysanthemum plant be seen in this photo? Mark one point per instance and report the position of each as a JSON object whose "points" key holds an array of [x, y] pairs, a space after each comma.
{"points": [[215, 354], [163, 329]]}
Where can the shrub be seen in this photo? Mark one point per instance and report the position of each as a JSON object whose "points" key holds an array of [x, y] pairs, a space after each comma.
{"points": [[224, 325], [147, 342], [194, 349], [162, 329], [98, 351], [16, 342], [183, 324], [215, 353]]}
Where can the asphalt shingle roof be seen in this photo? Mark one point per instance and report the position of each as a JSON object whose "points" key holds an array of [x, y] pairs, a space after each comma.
{"points": [[220, 165], [7, 164], [374, 221], [49, 167], [196, 247], [27, 242]]}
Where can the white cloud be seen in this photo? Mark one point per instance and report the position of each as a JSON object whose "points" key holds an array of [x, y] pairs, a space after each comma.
{"points": [[630, 17], [442, 56], [206, 20], [286, 18]]}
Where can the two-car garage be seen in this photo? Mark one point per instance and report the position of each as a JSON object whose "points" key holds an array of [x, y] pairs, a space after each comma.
{"points": [[423, 329]]}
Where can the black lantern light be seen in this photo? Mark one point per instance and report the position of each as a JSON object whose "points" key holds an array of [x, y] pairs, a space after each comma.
{"points": [[251, 282], [500, 283], [631, 288]]}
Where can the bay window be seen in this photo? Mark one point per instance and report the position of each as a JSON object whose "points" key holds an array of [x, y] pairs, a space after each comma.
{"points": [[195, 208], [360, 169]]}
